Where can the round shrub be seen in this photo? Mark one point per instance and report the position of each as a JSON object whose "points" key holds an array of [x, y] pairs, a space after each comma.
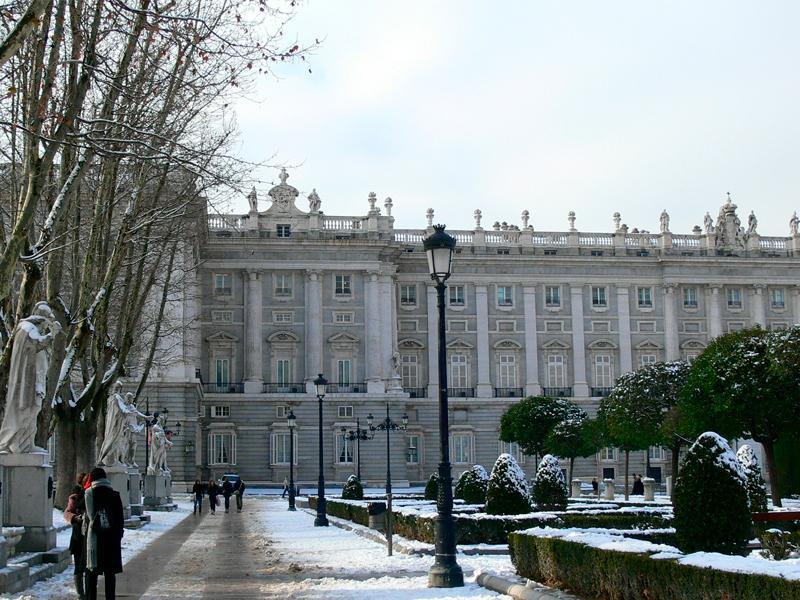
{"points": [[471, 486], [432, 487], [710, 499], [549, 487], [353, 490], [756, 487], [507, 492]]}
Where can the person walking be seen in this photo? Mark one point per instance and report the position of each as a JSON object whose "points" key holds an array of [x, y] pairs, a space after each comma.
{"points": [[238, 489], [103, 529], [73, 514], [638, 485], [213, 492], [285, 487], [227, 490], [197, 491], [595, 486]]}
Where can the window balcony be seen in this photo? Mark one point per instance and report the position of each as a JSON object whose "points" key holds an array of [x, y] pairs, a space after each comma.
{"points": [[347, 388], [557, 392], [223, 388], [460, 392], [416, 392], [600, 392], [284, 388], [508, 392]]}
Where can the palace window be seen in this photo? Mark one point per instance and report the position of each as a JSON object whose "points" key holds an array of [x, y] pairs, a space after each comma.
{"points": [[344, 450], [690, 297], [507, 370], [456, 293], [283, 231], [408, 370], [345, 411], [608, 454], [555, 371], [777, 298], [222, 371], [282, 317], [408, 295], [734, 297], [458, 371], [222, 448], [647, 359], [222, 284], [656, 453], [552, 296], [462, 448], [599, 297], [283, 371], [283, 285], [644, 297], [343, 318], [220, 411], [505, 295], [343, 285], [280, 450], [222, 316], [511, 448], [344, 370], [603, 376], [412, 457]]}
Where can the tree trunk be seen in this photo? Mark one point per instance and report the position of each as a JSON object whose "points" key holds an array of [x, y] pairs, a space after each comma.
{"points": [[571, 464], [74, 454], [676, 453], [627, 462], [772, 469]]}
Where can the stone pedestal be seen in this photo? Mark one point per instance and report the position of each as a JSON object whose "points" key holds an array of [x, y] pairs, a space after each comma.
{"points": [[576, 488], [649, 489], [609, 491], [121, 482], [157, 492], [27, 498], [136, 491], [669, 486]]}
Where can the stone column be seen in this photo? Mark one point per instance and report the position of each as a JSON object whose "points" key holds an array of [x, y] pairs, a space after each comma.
{"points": [[388, 341], [714, 311], [313, 317], [253, 377], [580, 387], [484, 388], [671, 346], [796, 304], [373, 327], [624, 325], [433, 343], [759, 306], [532, 385]]}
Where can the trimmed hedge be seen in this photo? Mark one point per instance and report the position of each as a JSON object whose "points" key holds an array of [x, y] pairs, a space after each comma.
{"points": [[344, 510], [594, 573]]}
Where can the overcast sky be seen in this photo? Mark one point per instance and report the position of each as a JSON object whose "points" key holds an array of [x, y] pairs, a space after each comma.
{"points": [[596, 107]]}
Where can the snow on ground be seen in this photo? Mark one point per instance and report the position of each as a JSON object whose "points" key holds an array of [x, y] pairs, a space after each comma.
{"points": [[356, 565], [61, 586]]}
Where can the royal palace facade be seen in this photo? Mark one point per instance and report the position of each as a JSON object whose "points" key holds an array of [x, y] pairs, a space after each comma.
{"points": [[284, 294]]}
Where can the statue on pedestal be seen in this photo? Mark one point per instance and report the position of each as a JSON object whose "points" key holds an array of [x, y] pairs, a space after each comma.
{"points": [[159, 444], [132, 429], [752, 223], [793, 223], [27, 379], [663, 221], [114, 439]]}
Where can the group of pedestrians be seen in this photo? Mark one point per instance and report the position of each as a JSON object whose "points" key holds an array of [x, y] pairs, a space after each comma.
{"points": [[95, 512], [214, 491]]}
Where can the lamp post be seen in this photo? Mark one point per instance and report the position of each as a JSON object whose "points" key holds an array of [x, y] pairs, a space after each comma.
{"points": [[356, 436], [388, 426], [445, 572], [291, 420], [321, 386]]}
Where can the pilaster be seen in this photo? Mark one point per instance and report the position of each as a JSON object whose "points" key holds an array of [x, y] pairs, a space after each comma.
{"points": [[671, 345], [759, 306], [580, 388], [388, 340], [624, 326], [253, 333], [714, 311], [484, 387], [313, 318], [532, 385], [373, 327], [433, 342]]}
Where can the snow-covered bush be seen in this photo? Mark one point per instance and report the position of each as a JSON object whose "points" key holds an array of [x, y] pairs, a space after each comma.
{"points": [[507, 492], [432, 487], [710, 499], [353, 490], [756, 487], [549, 487], [472, 484]]}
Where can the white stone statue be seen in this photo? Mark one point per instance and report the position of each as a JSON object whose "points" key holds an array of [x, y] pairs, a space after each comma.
{"points": [[571, 219], [372, 198], [477, 215], [664, 221], [793, 223], [132, 429], [526, 216], [708, 224], [114, 439], [429, 217], [27, 379], [314, 201], [387, 204], [159, 444], [752, 222], [396, 364], [252, 198], [617, 218]]}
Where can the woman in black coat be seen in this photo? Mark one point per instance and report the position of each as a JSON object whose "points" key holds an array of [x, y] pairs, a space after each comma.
{"points": [[73, 514], [213, 492], [103, 528]]}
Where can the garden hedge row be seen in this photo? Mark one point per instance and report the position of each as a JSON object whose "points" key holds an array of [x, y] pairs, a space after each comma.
{"points": [[495, 530], [594, 573]]}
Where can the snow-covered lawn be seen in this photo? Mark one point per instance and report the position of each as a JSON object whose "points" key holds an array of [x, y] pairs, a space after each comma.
{"points": [[61, 586]]}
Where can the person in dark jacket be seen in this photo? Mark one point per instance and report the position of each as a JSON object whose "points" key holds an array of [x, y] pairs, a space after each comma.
{"points": [[213, 492], [595, 486], [73, 514], [238, 489], [638, 485], [227, 490], [198, 490], [103, 529]]}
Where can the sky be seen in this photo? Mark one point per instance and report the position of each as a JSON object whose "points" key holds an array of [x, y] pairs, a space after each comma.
{"points": [[631, 106]]}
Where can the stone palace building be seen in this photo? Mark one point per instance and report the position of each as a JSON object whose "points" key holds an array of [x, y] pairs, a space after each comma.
{"points": [[283, 294]]}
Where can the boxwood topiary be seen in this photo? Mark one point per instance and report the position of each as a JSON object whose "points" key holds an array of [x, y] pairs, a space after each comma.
{"points": [[549, 487], [756, 487], [472, 484], [353, 490], [710, 499], [507, 492], [432, 487]]}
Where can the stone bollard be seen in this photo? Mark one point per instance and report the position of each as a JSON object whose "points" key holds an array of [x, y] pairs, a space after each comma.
{"points": [[576, 488], [669, 486], [609, 494], [649, 489]]}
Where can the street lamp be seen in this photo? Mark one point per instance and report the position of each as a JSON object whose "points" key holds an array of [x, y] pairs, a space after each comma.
{"points": [[321, 386], [356, 436], [291, 420], [445, 571], [388, 426]]}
